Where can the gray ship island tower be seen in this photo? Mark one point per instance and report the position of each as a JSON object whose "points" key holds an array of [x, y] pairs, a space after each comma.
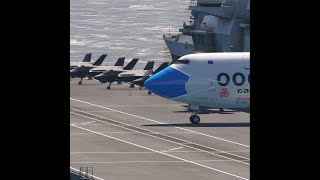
{"points": [[214, 26]]}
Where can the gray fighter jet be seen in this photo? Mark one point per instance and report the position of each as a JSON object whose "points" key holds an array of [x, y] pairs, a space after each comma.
{"points": [[87, 61], [98, 70], [83, 70], [124, 75]]}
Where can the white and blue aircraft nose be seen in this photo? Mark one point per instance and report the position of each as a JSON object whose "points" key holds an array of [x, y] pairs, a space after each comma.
{"points": [[168, 83]]}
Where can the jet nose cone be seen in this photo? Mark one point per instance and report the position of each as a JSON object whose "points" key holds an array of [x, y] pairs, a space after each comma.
{"points": [[100, 77], [73, 73], [168, 83], [139, 82], [79, 72], [73, 70]]}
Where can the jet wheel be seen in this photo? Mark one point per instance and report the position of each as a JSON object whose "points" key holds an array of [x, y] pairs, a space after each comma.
{"points": [[108, 87], [194, 119], [149, 92], [80, 83]]}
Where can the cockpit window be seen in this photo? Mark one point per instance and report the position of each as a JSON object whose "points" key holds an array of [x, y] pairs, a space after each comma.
{"points": [[182, 62]]}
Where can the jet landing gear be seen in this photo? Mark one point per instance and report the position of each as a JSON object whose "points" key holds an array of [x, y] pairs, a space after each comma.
{"points": [[80, 82], [194, 118], [131, 86], [149, 92], [109, 86]]}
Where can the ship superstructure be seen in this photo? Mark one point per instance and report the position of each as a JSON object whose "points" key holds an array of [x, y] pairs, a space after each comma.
{"points": [[214, 26]]}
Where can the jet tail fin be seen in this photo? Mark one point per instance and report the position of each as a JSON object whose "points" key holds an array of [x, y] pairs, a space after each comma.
{"points": [[120, 61], [100, 60], [149, 65], [87, 58], [131, 64], [161, 67]]}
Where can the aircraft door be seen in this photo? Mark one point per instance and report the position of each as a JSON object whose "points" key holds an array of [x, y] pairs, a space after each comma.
{"points": [[213, 91], [246, 61]]}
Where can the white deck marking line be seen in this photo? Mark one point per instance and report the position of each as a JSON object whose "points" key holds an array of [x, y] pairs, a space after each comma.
{"points": [[102, 111], [160, 122], [94, 124], [90, 175], [147, 105], [142, 152], [169, 140], [114, 162], [122, 124], [162, 153], [174, 148], [87, 122], [135, 132]]}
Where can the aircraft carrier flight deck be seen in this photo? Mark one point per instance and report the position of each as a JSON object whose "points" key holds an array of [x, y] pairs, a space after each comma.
{"points": [[124, 133]]}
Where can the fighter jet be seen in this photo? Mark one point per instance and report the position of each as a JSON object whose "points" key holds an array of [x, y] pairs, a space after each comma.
{"points": [[83, 70], [140, 81], [86, 61], [124, 75], [130, 75], [206, 79], [98, 70]]}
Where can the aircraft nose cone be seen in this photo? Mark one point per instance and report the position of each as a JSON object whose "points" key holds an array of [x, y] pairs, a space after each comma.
{"points": [[98, 77], [101, 77], [108, 76], [73, 70], [74, 73], [139, 82], [168, 83]]}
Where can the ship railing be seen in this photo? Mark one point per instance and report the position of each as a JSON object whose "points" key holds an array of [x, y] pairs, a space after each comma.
{"points": [[224, 3], [207, 29], [229, 3]]}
